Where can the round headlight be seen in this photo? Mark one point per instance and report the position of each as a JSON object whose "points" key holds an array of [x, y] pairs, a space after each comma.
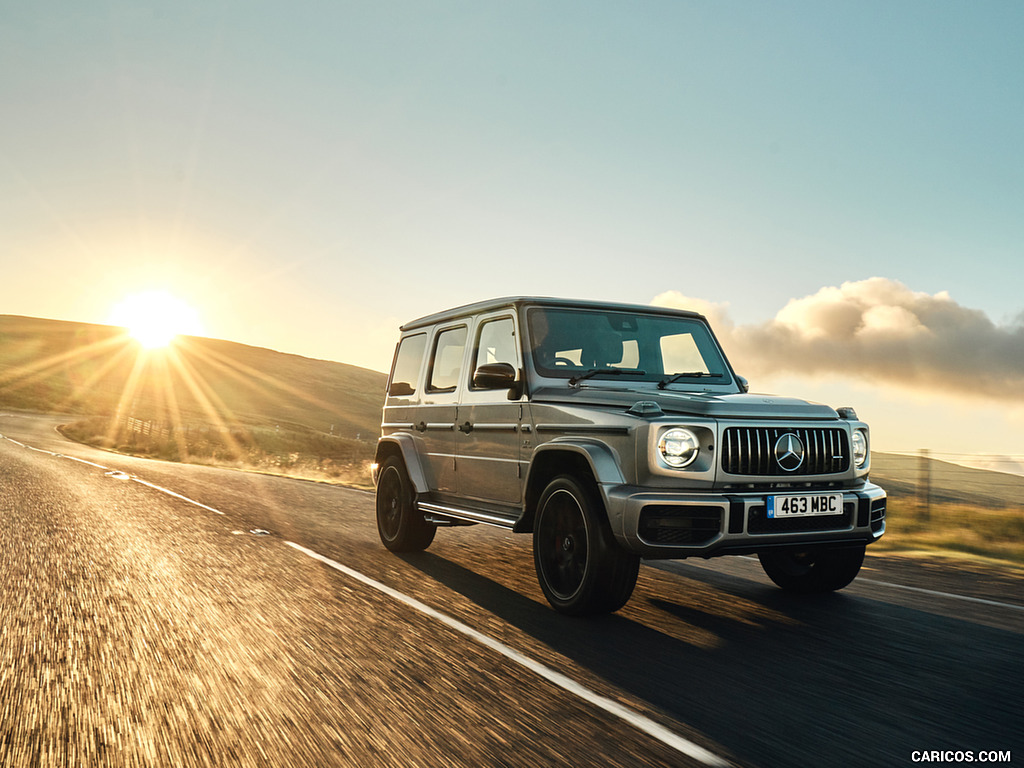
{"points": [[678, 447], [860, 448]]}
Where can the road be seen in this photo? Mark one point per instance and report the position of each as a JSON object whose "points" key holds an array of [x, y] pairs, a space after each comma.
{"points": [[158, 614]]}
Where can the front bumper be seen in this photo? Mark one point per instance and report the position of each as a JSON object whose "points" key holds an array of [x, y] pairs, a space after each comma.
{"points": [[671, 525]]}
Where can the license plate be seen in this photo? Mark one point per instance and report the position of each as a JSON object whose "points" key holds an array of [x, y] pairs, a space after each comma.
{"points": [[805, 505]]}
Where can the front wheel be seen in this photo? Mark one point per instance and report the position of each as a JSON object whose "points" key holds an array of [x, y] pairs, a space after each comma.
{"points": [[812, 571], [400, 525], [581, 568]]}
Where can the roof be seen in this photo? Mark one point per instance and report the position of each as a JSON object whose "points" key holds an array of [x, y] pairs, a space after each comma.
{"points": [[545, 301]]}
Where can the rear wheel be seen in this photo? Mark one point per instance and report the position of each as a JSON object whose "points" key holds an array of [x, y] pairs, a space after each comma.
{"points": [[401, 526], [581, 568], [812, 571]]}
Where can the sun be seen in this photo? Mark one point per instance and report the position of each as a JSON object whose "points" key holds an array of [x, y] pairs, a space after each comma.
{"points": [[155, 318]]}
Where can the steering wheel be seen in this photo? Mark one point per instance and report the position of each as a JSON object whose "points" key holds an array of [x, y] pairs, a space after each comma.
{"points": [[564, 362]]}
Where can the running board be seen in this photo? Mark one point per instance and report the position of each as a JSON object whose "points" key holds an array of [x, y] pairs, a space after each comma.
{"points": [[461, 514]]}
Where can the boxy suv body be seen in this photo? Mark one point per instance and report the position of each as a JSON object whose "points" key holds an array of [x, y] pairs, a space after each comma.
{"points": [[614, 433]]}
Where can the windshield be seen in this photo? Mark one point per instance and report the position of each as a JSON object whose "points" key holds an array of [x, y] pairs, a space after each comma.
{"points": [[579, 344]]}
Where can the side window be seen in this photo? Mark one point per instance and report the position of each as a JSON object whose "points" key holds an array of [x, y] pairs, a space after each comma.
{"points": [[446, 365], [406, 369], [496, 343]]}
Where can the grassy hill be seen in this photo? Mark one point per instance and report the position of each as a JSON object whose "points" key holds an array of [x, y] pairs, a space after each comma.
{"points": [[902, 477], [199, 399], [965, 511]]}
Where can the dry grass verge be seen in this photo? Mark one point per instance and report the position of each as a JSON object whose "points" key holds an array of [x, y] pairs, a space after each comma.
{"points": [[294, 452], [990, 533]]}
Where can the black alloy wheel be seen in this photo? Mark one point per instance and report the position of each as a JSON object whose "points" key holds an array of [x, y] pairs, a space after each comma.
{"points": [[581, 568], [400, 524]]}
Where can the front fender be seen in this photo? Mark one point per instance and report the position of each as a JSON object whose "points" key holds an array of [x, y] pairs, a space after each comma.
{"points": [[573, 456]]}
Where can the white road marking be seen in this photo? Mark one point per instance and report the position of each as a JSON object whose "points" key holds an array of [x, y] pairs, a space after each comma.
{"points": [[935, 593], [635, 719], [155, 487], [83, 461]]}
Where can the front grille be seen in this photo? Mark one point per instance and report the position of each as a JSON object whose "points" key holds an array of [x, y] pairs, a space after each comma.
{"points": [[673, 524], [759, 522], [751, 451]]}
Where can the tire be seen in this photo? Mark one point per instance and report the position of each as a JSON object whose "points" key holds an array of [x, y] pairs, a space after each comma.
{"points": [[400, 525], [581, 568], [812, 571]]}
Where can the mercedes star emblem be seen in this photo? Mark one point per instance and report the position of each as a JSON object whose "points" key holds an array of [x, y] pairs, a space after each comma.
{"points": [[789, 452]]}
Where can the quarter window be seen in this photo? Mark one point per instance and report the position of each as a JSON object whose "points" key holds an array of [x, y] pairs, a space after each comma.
{"points": [[406, 371]]}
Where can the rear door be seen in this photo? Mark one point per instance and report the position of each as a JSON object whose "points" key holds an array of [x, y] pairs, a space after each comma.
{"points": [[436, 415]]}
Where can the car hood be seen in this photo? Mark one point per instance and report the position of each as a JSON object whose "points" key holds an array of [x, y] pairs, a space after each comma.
{"points": [[705, 404]]}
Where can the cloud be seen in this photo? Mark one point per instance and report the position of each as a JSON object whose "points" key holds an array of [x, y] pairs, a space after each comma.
{"points": [[717, 314], [879, 330]]}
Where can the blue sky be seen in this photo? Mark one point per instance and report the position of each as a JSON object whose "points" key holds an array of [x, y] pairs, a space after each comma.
{"points": [[310, 175]]}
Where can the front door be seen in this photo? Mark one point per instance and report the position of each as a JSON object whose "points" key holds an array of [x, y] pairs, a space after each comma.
{"points": [[488, 431]]}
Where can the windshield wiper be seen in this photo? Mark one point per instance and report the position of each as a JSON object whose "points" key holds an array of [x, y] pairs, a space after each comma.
{"points": [[605, 371], [687, 375]]}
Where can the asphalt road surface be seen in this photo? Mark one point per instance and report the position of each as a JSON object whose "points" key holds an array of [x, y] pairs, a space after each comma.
{"points": [[157, 614]]}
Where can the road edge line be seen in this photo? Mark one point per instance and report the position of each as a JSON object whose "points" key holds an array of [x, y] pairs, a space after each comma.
{"points": [[638, 721]]}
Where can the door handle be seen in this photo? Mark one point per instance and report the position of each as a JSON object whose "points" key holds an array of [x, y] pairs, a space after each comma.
{"points": [[467, 427]]}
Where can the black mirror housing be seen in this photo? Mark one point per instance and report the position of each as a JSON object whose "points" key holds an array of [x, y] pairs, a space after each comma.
{"points": [[495, 376]]}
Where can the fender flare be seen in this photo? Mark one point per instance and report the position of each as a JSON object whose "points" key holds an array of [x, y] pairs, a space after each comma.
{"points": [[406, 447], [603, 463]]}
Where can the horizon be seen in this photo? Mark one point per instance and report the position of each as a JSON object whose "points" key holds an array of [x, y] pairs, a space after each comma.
{"points": [[989, 462]]}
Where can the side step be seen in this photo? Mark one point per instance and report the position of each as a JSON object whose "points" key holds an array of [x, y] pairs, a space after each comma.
{"points": [[443, 514]]}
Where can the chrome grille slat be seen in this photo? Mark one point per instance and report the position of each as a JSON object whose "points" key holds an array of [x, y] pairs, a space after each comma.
{"points": [[751, 451]]}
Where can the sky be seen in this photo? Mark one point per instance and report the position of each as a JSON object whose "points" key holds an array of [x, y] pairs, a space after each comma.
{"points": [[839, 185]]}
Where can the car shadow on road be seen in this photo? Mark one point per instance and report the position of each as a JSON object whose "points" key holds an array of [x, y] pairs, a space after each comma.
{"points": [[778, 679]]}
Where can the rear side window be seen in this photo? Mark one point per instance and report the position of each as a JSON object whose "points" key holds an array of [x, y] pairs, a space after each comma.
{"points": [[406, 370], [446, 366]]}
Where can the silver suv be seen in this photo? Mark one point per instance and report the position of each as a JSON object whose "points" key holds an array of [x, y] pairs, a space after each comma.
{"points": [[614, 433]]}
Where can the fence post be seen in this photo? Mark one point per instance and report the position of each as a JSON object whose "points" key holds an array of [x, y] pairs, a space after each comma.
{"points": [[924, 485]]}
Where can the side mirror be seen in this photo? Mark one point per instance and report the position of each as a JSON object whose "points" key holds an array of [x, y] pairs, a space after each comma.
{"points": [[495, 376], [744, 384]]}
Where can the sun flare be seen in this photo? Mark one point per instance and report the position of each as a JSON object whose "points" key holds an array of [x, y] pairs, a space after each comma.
{"points": [[156, 318]]}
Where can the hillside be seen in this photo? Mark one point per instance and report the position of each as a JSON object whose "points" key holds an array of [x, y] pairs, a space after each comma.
{"points": [[196, 387], [901, 476]]}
